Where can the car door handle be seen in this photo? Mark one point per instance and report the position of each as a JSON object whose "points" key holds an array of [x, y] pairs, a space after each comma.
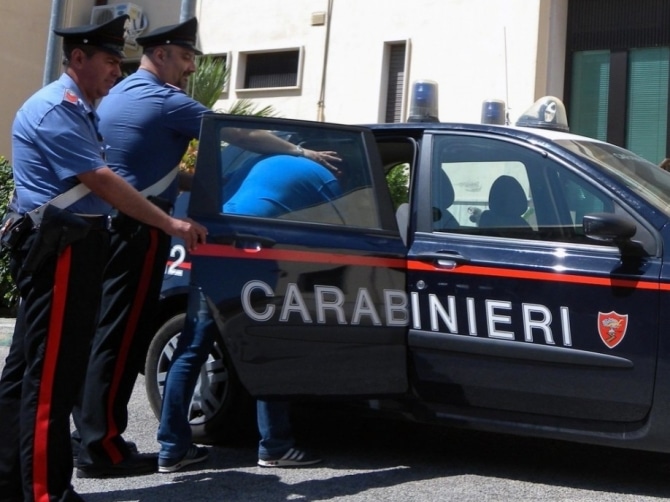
{"points": [[243, 241], [443, 259], [252, 242]]}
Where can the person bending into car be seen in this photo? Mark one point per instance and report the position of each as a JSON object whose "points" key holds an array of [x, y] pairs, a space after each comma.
{"points": [[270, 186], [147, 121]]}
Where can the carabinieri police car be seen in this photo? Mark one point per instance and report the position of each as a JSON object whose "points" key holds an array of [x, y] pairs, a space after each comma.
{"points": [[505, 278]]}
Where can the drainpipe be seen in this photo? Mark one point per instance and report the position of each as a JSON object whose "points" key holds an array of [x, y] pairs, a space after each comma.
{"points": [[187, 10], [52, 61], [320, 116]]}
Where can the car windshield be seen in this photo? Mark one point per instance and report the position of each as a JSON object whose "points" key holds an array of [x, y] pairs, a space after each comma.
{"points": [[646, 179]]}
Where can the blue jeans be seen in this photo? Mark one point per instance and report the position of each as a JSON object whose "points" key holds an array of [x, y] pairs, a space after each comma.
{"points": [[274, 427], [195, 343]]}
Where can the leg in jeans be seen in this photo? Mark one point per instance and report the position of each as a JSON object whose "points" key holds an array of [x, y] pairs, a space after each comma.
{"points": [[195, 343], [274, 427]]}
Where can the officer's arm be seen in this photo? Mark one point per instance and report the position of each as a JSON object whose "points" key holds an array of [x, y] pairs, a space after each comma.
{"points": [[262, 141], [119, 193]]}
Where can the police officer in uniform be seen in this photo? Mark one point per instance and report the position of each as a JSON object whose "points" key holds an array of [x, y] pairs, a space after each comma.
{"points": [[148, 124], [57, 260]]}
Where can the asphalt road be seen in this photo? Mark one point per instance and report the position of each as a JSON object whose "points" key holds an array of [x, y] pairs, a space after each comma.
{"points": [[371, 460]]}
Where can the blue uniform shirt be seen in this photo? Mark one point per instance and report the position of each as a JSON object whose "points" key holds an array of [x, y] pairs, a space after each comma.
{"points": [[54, 139], [148, 125]]}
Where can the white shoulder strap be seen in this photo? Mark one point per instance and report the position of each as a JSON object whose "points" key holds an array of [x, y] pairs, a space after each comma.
{"points": [[60, 201], [79, 191], [161, 185]]}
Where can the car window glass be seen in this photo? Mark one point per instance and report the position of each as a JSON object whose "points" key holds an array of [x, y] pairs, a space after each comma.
{"points": [[646, 179], [257, 180], [487, 186]]}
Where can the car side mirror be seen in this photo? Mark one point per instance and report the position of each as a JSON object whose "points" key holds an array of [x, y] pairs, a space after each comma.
{"points": [[608, 227], [614, 228]]}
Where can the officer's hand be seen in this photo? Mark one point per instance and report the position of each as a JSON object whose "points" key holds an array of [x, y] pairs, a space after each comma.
{"points": [[324, 158], [191, 232]]}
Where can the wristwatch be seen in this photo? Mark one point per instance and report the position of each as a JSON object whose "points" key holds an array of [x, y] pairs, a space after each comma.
{"points": [[301, 152]]}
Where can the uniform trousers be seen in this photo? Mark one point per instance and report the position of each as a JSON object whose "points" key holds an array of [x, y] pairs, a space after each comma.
{"points": [[129, 308], [58, 272]]}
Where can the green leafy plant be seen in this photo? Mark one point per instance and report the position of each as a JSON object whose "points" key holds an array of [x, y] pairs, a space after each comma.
{"points": [[209, 79], [9, 297], [248, 107], [206, 86], [398, 182]]}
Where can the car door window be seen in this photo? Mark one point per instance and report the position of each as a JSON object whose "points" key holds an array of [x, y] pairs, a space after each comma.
{"points": [[492, 187], [257, 181]]}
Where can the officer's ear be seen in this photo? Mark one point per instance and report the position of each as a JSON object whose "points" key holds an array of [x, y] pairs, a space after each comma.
{"points": [[161, 54], [75, 54]]}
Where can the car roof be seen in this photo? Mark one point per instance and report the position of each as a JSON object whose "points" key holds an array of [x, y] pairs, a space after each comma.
{"points": [[526, 133]]}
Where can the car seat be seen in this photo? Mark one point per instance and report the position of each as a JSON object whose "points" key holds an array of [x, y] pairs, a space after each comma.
{"points": [[443, 198], [507, 202], [402, 217]]}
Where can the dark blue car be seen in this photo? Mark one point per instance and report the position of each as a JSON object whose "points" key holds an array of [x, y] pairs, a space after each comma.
{"points": [[509, 279]]}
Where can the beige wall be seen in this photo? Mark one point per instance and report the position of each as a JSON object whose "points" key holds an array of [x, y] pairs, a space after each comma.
{"points": [[25, 25], [474, 49], [25, 32], [512, 50]]}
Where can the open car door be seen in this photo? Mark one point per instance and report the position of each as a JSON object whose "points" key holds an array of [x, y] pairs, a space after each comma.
{"points": [[304, 267]]}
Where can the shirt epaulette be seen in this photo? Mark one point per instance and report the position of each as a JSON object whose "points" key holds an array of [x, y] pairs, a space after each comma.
{"points": [[70, 97]]}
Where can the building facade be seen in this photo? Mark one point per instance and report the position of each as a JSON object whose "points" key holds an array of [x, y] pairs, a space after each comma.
{"points": [[357, 61]]}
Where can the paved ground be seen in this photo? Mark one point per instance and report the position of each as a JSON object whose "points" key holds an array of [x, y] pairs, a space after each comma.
{"points": [[6, 330], [371, 460]]}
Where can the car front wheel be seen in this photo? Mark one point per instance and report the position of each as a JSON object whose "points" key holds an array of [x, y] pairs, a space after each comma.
{"points": [[220, 410]]}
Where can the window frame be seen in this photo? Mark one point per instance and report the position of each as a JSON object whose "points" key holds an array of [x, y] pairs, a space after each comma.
{"points": [[242, 63], [567, 235]]}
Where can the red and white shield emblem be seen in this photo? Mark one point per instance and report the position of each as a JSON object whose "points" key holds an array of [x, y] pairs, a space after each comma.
{"points": [[612, 328]]}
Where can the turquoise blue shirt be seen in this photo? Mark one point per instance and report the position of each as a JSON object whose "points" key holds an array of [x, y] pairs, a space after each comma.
{"points": [[280, 184]]}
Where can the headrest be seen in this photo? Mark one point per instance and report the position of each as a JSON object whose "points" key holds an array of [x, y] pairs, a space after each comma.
{"points": [[507, 197]]}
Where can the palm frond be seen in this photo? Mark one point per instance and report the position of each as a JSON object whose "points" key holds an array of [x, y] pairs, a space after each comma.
{"points": [[248, 107], [209, 80]]}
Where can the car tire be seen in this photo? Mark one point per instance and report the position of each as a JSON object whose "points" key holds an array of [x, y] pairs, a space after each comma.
{"points": [[221, 411]]}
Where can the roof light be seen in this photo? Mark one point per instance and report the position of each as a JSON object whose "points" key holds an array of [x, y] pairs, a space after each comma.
{"points": [[423, 107], [547, 112], [493, 112]]}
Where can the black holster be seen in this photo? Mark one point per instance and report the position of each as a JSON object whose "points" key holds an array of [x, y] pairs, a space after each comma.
{"points": [[58, 229], [14, 230], [127, 225]]}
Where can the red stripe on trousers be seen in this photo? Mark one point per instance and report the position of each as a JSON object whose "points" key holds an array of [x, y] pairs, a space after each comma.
{"points": [[131, 326], [53, 343]]}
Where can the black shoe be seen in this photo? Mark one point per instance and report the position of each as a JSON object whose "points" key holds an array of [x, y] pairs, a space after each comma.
{"points": [[75, 443], [134, 465]]}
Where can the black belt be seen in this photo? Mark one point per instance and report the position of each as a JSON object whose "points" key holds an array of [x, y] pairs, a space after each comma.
{"points": [[98, 222], [124, 223]]}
